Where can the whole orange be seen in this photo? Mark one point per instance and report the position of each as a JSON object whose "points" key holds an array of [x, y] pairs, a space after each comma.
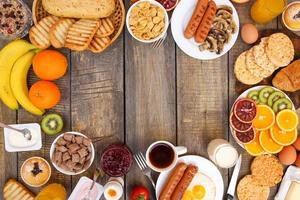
{"points": [[49, 65], [44, 94]]}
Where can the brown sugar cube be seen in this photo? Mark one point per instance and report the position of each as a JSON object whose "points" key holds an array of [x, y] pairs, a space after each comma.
{"points": [[83, 152], [66, 156], [75, 158]]}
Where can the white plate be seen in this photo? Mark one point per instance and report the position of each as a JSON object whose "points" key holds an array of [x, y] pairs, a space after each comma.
{"points": [[52, 148], [33, 126], [180, 19], [244, 95], [205, 166]]}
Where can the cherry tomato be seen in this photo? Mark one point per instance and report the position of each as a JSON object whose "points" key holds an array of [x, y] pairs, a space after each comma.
{"points": [[139, 193]]}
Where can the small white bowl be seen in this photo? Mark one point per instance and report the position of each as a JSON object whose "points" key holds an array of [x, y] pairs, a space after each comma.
{"points": [[52, 148], [166, 21]]}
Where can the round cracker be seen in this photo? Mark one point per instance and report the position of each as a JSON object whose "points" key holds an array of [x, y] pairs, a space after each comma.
{"points": [[242, 73], [261, 57], [248, 189], [280, 49], [267, 170], [254, 68]]}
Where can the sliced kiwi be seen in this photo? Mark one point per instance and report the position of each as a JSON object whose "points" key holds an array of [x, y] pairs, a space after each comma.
{"points": [[274, 97], [253, 95], [281, 104], [264, 94], [52, 123]]}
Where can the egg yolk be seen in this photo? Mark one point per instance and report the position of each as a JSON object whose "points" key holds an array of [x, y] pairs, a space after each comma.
{"points": [[188, 195], [199, 191], [112, 193]]}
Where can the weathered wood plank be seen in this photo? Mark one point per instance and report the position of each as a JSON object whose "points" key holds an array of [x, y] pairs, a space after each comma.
{"points": [[97, 107], [202, 93], [150, 99], [239, 47]]}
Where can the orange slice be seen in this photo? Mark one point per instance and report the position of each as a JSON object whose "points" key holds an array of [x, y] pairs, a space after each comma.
{"points": [[281, 137], [265, 118], [287, 120], [254, 148], [267, 143]]}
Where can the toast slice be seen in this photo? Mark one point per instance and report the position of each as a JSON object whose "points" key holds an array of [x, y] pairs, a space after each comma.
{"points": [[39, 33], [106, 28], [81, 33], [99, 44], [14, 190], [58, 32]]}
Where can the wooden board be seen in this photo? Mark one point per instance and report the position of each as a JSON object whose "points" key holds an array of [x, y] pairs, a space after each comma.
{"points": [[138, 95]]}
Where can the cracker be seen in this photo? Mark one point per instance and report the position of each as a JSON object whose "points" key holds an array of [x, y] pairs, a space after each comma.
{"points": [[248, 189], [98, 45], [58, 32], [242, 73], [106, 28], [280, 49], [81, 33], [39, 33], [267, 170], [261, 57], [254, 68]]}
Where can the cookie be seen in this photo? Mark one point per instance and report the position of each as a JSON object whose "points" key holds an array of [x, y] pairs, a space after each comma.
{"points": [[261, 57], [280, 49], [248, 189], [242, 73], [267, 170], [254, 68]]}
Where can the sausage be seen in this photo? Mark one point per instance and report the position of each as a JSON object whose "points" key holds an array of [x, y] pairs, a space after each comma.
{"points": [[185, 181], [172, 182], [206, 22], [196, 18]]}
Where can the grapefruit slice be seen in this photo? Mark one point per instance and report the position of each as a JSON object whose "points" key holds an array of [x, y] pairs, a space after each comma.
{"points": [[238, 125], [245, 137], [264, 119], [284, 138], [245, 110], [268, 144]]}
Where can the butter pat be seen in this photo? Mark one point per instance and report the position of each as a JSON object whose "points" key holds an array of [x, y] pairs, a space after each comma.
{"points": [[294, 191]]}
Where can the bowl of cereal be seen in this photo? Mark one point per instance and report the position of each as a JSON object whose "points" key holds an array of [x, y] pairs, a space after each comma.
{"points": [[147, 21]]}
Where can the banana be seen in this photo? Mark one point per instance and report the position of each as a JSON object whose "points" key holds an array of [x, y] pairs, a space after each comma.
{"points": [[8, 56], [18, 82]]}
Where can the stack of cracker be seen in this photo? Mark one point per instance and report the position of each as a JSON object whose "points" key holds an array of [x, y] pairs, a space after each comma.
{"points": [[259, 62], [266, 172]]}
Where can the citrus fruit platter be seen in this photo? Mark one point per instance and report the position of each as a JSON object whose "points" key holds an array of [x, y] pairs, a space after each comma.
{"points": [[263, 120]]}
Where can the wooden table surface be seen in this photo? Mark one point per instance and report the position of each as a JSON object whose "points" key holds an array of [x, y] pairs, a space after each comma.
{"points": [[140, 95]]}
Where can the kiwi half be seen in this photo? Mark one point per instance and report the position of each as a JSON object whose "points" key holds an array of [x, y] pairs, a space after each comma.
{"points": [[253, 95], [274, 97], [52, 123], [264, 94], [281, 104]]}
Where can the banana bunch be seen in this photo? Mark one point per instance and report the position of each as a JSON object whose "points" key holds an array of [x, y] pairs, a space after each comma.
{"points": [[15, 61]]}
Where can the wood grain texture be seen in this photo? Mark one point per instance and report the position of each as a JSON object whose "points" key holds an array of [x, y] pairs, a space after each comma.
{"points": [[150, 99], [97, 95], [202, 93], [244, 16]]}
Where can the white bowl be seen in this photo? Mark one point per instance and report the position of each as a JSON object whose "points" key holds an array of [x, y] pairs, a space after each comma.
{"points": [[166, 21], [52, 148]]}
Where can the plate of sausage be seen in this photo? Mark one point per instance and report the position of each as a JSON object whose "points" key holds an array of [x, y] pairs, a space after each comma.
{"points": [[194, 177], [205, 29]]}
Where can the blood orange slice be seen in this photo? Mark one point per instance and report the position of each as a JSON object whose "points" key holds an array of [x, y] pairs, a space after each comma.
{"points": [[238, 125], [245, 110], [245, 137]]}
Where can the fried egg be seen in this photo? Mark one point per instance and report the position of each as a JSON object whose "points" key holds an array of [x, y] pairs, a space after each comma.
{"points": [[201, 188]]}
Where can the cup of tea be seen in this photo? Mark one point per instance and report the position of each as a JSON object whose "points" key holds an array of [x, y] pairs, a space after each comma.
{"points": [[163, 155]]}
